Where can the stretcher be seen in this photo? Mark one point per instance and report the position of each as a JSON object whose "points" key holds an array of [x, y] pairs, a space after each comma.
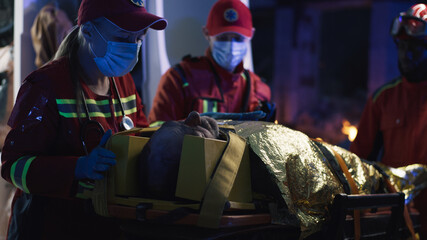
{"points": [[379, 216], [384, 220]]}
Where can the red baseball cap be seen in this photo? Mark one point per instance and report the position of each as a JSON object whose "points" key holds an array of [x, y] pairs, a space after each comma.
{"points": [[130, 15], [229, 16]]}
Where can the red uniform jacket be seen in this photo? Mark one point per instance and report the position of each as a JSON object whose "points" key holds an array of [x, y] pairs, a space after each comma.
{"points": [[207, 88], [393, 129], [41, 150]]}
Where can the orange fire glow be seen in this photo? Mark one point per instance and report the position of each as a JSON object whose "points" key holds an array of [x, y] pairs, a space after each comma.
{"points": [[349, 130]]}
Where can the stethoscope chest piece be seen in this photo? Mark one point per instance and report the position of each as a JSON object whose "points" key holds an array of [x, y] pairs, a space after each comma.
{"points": [[126, 123]]}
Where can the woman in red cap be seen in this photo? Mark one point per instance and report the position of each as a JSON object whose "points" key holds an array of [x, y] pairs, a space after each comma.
{"points": [[55, 151], [216, 82]]}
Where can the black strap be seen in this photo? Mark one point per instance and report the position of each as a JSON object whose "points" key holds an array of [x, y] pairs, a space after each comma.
{"points": [[334, 166], [217, 81], [178, 68], [245, 102]]}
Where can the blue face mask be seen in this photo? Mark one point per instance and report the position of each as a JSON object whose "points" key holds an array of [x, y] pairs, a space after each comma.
{"points": [[119, 59], [228, 54]]}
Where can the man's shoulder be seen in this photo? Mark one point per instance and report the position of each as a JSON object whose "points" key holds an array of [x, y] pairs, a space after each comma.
{"points": [[387, 88]]}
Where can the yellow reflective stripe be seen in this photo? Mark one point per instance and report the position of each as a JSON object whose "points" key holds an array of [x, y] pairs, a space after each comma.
{"points": [[24, 174], [100, 102], [156, 123], [243, 75], [126, 99], [127, 112]]}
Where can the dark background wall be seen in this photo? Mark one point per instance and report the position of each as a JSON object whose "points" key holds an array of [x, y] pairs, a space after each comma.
{"points": [[324, 58]]}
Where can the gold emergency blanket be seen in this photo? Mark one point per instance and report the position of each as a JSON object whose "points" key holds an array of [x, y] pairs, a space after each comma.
{"points": [[409, 179], [303, 173]]}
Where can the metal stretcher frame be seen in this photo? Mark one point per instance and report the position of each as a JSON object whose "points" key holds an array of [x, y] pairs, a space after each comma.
{"points": [[383, 219]]}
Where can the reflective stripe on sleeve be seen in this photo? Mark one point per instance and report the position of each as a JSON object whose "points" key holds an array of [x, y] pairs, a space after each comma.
{"points": [[19, 170]]}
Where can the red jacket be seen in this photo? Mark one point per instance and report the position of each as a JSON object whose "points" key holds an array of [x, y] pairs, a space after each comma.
{"points": [[202, 91], [393, 129], [395, 118], [41, 150]]}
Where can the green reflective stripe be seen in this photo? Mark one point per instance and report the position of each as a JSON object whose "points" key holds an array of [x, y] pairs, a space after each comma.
{"points": [[71, 115], [18, 175], [12, 173], [129, 105], [65, 101], [99, 114], [81, 196], [185, 84], [210, 105], [67, 108], [385, 87], [157, 123], [243, 75], [24, 174], [85, 185], [101, 108], [205, 105], [83, 115], [215, 107]]}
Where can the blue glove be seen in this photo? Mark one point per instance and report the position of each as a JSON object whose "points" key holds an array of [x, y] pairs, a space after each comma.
{"points": [[98, 161], [249, 116]]}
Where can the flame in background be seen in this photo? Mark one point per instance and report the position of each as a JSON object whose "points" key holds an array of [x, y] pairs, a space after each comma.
{"points": [[349, 130]]}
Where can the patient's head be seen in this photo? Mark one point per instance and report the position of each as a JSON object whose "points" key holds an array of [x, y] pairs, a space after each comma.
{"points": [[159, 160]]}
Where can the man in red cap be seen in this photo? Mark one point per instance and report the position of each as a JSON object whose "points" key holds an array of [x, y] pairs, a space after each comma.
{"points": [[393, 127], [216, 82], [55, 148]]}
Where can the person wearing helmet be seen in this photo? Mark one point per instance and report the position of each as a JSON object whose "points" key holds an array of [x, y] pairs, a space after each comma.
{"points": [[216, 82], [393, 126], [55, 148]]}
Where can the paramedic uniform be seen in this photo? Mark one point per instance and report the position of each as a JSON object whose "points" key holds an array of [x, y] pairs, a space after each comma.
{"points": [[41, 151], [201, 85]]}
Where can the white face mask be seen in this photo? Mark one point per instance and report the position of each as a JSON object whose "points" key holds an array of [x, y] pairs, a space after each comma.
{"points": [[119, 59], [228, 54]]}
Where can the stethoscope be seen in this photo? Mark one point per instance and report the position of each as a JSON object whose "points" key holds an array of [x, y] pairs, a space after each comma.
{"points": [[125, 124]]}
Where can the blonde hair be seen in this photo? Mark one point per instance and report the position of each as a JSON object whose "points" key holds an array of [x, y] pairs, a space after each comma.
{"points": [[69, 49]]}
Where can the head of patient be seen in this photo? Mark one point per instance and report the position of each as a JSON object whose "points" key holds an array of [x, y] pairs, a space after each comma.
{"points": [[159, 160]]}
